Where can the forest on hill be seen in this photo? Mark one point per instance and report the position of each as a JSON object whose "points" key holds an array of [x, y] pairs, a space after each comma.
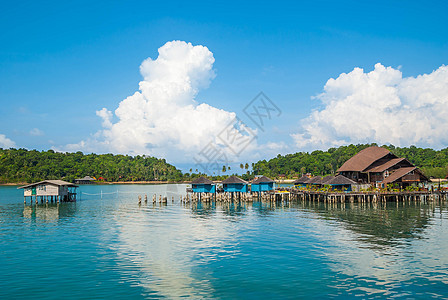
{"points": [[21, 165], [434, 163]]}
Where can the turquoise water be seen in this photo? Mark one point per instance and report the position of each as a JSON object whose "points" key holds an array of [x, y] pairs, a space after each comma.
{"points": [[107, 246]]}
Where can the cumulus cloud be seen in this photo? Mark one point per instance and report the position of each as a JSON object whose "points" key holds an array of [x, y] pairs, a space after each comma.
{"points": [[163, 118], [36, 132], [6, 143], [380, 106]]}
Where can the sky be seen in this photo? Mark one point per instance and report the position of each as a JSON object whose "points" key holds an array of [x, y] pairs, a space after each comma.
{"points": [[201, 83]]}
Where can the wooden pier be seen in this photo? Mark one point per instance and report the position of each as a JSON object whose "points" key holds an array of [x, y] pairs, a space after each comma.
{"points": [[318, 196]]}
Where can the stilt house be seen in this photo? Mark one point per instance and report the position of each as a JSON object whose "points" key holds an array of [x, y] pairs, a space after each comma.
{"points": [[203, 185], [374, 165], [235, 184], [59, 189], [262, 184]]}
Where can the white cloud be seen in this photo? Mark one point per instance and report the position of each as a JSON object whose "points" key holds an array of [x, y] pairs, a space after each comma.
{"points": [[163, 118], [380, 106], [36, 132], [6, 143]]}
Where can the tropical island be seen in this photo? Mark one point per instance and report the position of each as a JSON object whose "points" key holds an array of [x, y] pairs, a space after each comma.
{"points": [[25, 166]]}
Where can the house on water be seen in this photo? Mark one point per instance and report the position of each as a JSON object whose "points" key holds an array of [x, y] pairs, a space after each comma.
{"points": [[374, 165], [203, 185], [316, 181], [262, 184], [85, 180], [235, 184], [57, 190], [301, 182], [341, 183]]}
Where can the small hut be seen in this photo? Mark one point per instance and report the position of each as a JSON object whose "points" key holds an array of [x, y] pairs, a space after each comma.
{"points": [[301, 182], [85, 180], [235, 184], [405, 177], [48, 189], [316, 181], [326, 179], [203, 185], [262, 184], [341, 182]]}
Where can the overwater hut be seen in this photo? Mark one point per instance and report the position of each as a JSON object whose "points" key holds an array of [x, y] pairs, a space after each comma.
{"points": [[326, 179], [374, 165], [404, 177], [203, 185], [301, 182], [235, 184], [85, 180], [341, 182], [58, 190], [315, 181], [262, 184]]}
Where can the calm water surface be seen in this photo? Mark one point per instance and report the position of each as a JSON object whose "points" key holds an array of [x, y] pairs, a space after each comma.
{"points": [[107, 246]]}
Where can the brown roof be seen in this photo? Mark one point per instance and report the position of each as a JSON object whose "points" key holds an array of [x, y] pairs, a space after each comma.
{"points": [[326, 179], [363, 159], [53, 182], [202, 180], [315, 180], [340, 180], [388, 164], [303, 179], [262, 179], [234, 179], [398, 174]]}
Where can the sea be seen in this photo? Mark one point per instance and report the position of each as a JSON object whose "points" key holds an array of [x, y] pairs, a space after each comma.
{"points": [[108, 246]]}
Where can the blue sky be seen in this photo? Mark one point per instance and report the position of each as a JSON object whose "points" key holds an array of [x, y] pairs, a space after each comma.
{"points": [[61, 61]]}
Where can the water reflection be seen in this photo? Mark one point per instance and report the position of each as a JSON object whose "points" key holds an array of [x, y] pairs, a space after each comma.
{"points": [[167, 245], [48, 213], [378, 224], [176, 250]]}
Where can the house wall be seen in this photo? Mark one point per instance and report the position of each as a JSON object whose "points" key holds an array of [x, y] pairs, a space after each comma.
{"points": [[233, 187], [46, 190], [411, 177], [204, 188], [262, 187]]}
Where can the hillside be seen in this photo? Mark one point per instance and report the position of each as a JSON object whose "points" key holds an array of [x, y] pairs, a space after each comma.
{"points": [[21, 165]]}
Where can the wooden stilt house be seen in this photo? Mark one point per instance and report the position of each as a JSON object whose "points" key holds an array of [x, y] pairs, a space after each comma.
{"points": [[262, 184], [235, 184], [301, 182], [58, 190], [374, 165], [341, 183], [203, 185]]}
